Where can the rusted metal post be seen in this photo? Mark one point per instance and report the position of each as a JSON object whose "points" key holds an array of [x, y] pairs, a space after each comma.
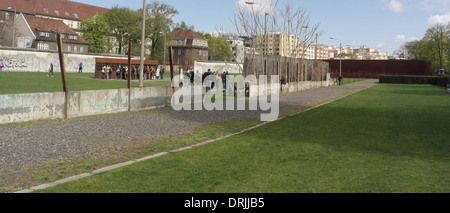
{"points": [[141, 68], [171, 68], [129, 74], [63, 75]]}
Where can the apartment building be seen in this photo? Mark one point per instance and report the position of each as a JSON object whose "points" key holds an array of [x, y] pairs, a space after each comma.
{"points": [[366, 53], [360, 53], [276, 43]]}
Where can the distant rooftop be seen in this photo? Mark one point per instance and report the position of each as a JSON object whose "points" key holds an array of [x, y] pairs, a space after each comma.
{"points": [[63, 9], [186, 34]]}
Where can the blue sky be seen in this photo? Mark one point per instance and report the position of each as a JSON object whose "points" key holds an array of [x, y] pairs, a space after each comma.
{"points": [[380, 24]]}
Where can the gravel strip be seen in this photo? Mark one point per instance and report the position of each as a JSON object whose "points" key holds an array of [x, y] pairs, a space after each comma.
{"points": [[102, 136]]}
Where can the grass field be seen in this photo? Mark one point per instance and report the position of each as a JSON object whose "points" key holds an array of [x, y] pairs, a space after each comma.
{"points": [[33, 82], [390, 138]]}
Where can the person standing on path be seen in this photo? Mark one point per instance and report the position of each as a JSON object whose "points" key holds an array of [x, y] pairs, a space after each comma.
{"points": [[162, 73], [133, 72], [80, 68], [1, 65], [50, 70], [283, 83], [158, 72], [118, 72]]}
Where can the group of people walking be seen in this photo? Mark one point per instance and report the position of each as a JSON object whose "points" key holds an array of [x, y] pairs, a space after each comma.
{"points": [[121, 72]]}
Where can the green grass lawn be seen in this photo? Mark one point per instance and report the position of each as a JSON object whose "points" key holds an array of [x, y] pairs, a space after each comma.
{"points": [[389, 138], [34, 82]]}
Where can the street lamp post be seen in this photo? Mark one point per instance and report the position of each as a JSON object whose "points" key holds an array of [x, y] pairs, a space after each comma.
{"points": [[165, 45], [317, 47], [265, 39], [340, 56]]}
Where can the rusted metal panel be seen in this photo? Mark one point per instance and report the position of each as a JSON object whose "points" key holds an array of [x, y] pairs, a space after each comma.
{"points": [[375, 68]]}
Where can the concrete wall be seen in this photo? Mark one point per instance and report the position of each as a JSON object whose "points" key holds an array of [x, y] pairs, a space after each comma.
{"points": [[32, 60], [29, 107], [293, 87], [232, 67]]}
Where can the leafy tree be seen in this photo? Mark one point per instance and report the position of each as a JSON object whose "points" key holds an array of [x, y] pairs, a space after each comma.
{"points": [[219, 49], [413, 50], [434, 46], [185, 26], [96, 31], [207, 36], [159, 22], [124, 25], [159, 48]]}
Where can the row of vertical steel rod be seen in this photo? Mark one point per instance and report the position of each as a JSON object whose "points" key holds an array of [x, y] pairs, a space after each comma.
{"points": [[64, 78]]}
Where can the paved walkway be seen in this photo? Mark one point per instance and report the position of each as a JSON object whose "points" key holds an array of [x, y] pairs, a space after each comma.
{"points": [[103, 136]]}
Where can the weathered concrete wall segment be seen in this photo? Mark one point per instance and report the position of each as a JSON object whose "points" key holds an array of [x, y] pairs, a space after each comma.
{"points": [[29, 107], [32, 60]]}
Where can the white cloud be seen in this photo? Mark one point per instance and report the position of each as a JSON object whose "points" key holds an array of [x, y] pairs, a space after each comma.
{"points": [[381, 46], [439, 19], [394, 6], [402, 38]]}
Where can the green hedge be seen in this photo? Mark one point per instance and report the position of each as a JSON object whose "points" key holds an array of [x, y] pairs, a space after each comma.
{"points": [[441, 81]]}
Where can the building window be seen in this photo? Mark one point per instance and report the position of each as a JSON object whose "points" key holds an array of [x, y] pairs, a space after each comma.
{"points": [[68, 48], [45, 10], [82, 49], [7, 16], [57, 12], [75, 49], [76, 15], [67, 14], [44, 34], [43, 46], [179, 52], [73, 37]]}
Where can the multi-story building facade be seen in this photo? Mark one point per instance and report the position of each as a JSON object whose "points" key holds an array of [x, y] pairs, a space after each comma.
{"points": [[276, 43], [366, 53], [43, 32], [361, 53], [188, 47], [69, 12]]}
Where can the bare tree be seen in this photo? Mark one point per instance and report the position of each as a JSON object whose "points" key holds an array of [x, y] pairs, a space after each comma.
{"points": [[286, 19]]}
